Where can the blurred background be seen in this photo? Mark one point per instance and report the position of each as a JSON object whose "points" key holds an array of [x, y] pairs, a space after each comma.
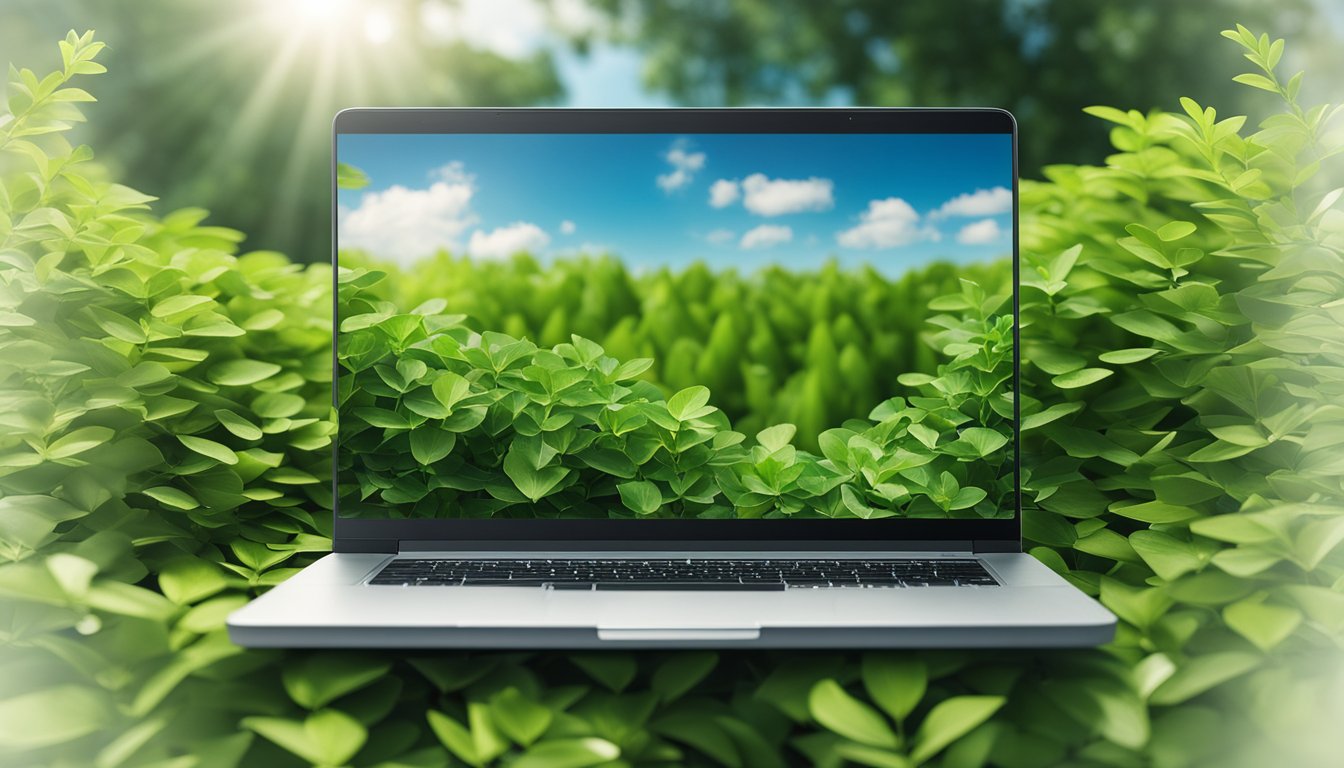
{"points": [[227, 105]]}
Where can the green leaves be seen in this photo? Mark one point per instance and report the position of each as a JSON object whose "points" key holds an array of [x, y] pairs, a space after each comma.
{"points": [[167, 412]]}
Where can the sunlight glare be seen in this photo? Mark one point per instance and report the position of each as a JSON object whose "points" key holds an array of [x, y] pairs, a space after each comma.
{"points": [[378, 26]]}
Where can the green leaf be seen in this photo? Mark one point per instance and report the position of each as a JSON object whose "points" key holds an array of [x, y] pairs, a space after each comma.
{"points": [[1202, 673], [977, 442], [209, 448], [78, 441], [57, 714], [776, 437], [613, 672], [187, 580], [451, 389], [328, 737], [242, 373], [1175, 230], [640, 496], [1168, 556], [520, 718], [833, 707], [1080, 378], [895, 682], [569, 753], [682, 672], [430, 444], [525, 464], [180, 305], [172, 497], [239, 426], [350, 177], [316, 680], [1127, 356], [689, 403], [1264, 624], [118, 326], [455, 737], [949, 720]]}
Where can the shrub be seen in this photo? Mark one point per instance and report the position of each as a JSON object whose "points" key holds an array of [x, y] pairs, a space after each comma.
{"points": [[1181, 317], [439, 420], [810, 348]]}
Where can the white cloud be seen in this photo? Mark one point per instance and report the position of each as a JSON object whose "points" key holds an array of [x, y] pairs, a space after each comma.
{"points": [[724, 193], [720, 236], [567, 227], [981, 202], [980, 232], [453, 173], [407, 224], [765, 236], [776, 197], [684, 165], [505, 241], [887, 223]]}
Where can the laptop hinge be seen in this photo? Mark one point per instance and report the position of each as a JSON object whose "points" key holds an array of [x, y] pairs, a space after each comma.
{"points": [[344, 544], [996, 545]]}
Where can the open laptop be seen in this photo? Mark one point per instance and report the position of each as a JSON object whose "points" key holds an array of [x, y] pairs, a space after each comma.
{"points": [[651, 378]]}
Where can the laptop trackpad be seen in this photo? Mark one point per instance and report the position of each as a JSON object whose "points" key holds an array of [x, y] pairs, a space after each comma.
{"points": [[676, 634]]}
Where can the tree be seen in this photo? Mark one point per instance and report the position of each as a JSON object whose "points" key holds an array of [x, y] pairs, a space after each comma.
{"points": [[1043, 59]]}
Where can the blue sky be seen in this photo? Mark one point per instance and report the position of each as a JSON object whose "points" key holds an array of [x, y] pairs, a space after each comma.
{"points": [[734, 200]]}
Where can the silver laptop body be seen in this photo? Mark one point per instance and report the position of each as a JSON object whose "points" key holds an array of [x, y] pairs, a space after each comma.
{"points": [[456, 527]]}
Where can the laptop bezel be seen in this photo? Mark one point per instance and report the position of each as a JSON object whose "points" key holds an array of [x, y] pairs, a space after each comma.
{"points": [[390, 535]]}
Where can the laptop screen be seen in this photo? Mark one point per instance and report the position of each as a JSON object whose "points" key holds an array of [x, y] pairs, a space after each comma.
{"points": [[675, 325]]}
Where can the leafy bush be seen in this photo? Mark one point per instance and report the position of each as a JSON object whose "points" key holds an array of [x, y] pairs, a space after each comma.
{"points": [[439, 420], [1181, 316], [809, 348]]}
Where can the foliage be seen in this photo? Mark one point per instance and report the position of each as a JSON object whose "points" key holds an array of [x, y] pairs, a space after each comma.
{"points": [[441, 420], [265, 79], [1182, 428], [812, 348], [1042, 60]]}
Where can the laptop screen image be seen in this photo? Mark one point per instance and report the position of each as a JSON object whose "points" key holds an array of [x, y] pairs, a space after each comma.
{"points": [[712, 326]]}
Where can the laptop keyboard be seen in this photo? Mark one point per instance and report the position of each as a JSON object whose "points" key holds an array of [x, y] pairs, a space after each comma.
{"points": [[705, 574]]}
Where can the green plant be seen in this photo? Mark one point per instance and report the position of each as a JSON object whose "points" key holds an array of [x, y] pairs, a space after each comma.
{"points": [[439, 420], [809, 348], [1181, 309]]}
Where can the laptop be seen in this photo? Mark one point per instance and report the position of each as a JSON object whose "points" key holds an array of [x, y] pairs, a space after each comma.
{"points": [[670, 378]]}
